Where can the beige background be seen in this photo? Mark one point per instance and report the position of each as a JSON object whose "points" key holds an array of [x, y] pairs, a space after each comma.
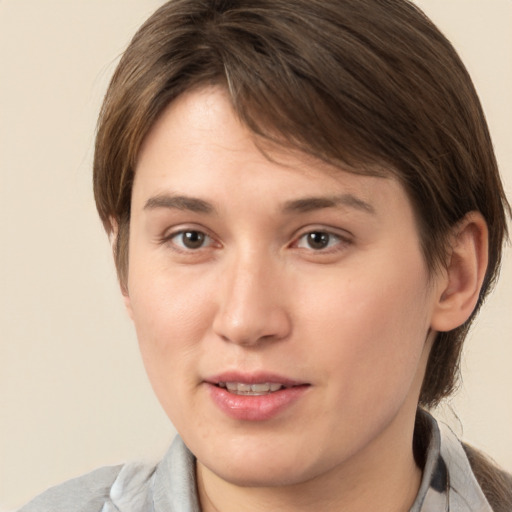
{"points": [[73, 394]]}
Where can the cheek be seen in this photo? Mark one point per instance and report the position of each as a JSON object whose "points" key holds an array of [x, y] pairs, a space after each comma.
{"points": [[164, 304], [167, 332], [171, 317], [370, 331]]}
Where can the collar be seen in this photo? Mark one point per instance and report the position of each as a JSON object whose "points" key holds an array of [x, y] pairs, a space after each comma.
{"points": [[448, 482]]}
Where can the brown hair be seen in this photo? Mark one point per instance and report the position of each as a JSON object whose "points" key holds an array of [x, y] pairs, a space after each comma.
{"points": [[369, 84], [496, 483]]}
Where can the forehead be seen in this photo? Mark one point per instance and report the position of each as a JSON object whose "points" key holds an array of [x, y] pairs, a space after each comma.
{"points": [[200, 131]]}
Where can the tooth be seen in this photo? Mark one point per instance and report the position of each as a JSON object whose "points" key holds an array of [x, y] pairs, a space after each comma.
{"points": [[261, 388], [242, 388]]}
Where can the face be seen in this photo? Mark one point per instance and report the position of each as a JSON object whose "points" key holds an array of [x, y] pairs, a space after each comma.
{"points": [[282, 307]]}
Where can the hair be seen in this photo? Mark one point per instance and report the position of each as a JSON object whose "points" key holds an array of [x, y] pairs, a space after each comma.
{"points": [[369, 85]]}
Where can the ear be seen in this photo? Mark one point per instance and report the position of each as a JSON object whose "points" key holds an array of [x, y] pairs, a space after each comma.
{"points": [[112, 238], [459, 286]]}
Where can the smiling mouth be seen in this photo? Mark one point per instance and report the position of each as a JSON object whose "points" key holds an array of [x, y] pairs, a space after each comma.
{"points": [[241, 388]]}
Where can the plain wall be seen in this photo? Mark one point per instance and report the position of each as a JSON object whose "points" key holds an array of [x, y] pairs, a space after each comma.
{"points": [[73, 393]]}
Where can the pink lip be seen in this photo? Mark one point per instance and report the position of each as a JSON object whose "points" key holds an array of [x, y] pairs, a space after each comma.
{"points": [[254, 408]]}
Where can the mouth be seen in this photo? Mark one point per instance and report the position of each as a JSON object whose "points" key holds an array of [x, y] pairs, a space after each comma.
{"points": [[254, 396], [246, 389]]}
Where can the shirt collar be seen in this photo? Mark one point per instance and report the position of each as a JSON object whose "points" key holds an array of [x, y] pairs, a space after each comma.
{"points": [[448, 482]]}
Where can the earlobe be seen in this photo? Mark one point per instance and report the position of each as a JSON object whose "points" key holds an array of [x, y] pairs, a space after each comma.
{"points": [[465, 271]]}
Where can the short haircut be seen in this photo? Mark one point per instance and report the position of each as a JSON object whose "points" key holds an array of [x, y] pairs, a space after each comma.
{"points": [[371, 86]]}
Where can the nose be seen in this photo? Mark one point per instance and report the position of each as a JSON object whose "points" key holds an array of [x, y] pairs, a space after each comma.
{"points": [[251, 304]]}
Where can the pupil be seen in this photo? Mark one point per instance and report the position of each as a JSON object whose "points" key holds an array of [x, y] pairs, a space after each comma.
{"points": [[318, 240], [193, 239]]}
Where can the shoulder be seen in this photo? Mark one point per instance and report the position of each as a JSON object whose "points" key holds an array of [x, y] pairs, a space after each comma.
{"points": [[96, 491], [494, 481], [133, 487], [476, 482]]}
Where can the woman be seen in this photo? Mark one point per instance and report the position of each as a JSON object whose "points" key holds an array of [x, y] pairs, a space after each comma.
{"points": [[306, 215]]}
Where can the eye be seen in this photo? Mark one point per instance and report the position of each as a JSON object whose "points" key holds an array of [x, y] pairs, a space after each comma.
{"points": [[191, 239], [318, 240]]}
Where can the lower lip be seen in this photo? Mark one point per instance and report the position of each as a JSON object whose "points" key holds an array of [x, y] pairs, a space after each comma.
{"points": [[255, 408]]}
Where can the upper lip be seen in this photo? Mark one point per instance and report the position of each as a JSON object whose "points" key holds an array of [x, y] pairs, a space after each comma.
{"points": [[253, 378]]}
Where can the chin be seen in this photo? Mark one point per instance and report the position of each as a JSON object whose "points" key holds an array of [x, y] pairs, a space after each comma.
{"points": [[266, 465], [262, 476]]}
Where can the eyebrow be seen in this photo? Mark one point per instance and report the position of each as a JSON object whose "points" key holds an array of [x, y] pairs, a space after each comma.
{"points": [[308, 204], [192, 204], [302, 205]]}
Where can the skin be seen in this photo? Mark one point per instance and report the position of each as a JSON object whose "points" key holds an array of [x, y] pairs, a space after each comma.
{"points": [[353, 320]]}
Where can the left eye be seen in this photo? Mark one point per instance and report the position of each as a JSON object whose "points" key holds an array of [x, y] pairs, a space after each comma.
{"points": [[318, 240], [191, 239]]}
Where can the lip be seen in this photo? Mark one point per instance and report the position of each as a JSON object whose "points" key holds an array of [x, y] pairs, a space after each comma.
{"points": [[254, 407]]}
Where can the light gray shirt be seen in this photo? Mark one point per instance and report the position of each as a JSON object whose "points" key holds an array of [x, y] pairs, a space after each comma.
{"points": [[448, 484]]}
